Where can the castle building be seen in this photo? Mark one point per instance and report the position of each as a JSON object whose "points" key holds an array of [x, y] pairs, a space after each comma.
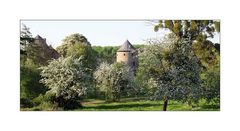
{"points": [[46, 51], [128, 55]]}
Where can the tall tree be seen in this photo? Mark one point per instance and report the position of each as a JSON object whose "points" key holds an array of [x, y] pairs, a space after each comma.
{"points": [[77, 45], [112, 79], [198, 30], [25, 38], [173, 70], [30, 87], [71, 40]]}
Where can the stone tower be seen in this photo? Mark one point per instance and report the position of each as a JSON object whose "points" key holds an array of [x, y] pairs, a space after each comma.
{"points": [[128, 55]]}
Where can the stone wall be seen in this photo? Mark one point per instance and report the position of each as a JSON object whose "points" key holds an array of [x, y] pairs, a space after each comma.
{"points": [[123, 57], [128, 58]]}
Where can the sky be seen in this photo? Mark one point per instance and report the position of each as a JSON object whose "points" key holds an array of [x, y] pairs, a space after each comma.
{"points": [[98, 33]]}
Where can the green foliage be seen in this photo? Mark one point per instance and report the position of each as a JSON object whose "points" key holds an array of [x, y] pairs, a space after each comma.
{"points": [[62, 50], [47, 97], [77, 50], [46, 103], [25, 38], [106, 53], [139, 46], [30, 87], [211, 85], [197, 32], [76, 45], [172, 69], [191, 29], [169, 24], [151, 63], [184, 74], [29, 82], [208, 55], [67, 80], [26, 103], [217, 26], [85, 52], [75, 38], [71, 40], [112, 79], [47, 106]]}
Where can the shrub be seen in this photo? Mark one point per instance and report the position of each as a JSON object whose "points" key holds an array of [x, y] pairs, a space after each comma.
{"points": [[26, 103], [67, 80], [46, 106], [113, 80], [30, 87]]}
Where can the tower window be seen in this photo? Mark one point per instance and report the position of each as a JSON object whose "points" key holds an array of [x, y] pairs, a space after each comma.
{"points": [[133, 63], [124, 54]]}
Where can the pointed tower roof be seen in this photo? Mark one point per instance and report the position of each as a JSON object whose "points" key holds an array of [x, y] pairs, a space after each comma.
{"points": [[38, 37], [127, 46]]}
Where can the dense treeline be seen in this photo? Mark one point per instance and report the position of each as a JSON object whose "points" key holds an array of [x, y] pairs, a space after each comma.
{"points": [[184, 66]]}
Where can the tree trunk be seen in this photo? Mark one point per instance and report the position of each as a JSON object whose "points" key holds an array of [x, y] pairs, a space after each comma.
{"points": [[165, 104], [190, 103]]}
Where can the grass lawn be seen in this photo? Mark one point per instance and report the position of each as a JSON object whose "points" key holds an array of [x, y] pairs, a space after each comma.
{"points": [[133, 104], [142, 105]]}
